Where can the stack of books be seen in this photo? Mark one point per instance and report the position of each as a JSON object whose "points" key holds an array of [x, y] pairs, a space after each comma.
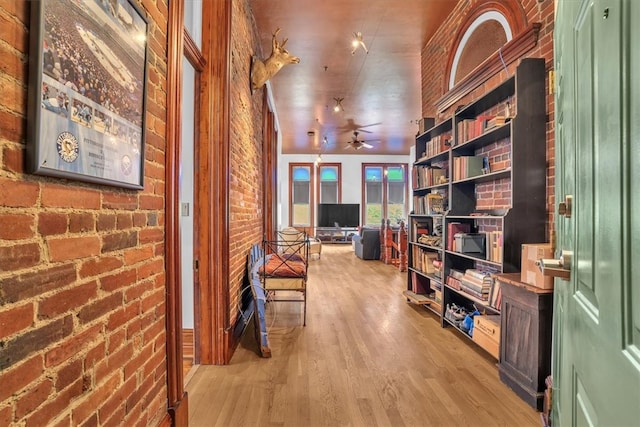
{"points": [[476, 283]]}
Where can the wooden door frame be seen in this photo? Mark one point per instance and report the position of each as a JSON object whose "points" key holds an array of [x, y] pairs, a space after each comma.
{"points": [[177, 398], [270, 165], [211, 195]]}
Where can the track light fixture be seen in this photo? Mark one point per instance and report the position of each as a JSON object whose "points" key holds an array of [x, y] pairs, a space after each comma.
{"points": [[358, 41]]}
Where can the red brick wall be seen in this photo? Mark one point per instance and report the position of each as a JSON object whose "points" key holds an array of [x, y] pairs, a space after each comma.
{"points": [[82, 283], [435, 55], [246, 171]]}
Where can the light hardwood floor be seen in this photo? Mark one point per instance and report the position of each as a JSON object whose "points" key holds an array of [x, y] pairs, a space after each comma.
{"points": [[365, 358]]}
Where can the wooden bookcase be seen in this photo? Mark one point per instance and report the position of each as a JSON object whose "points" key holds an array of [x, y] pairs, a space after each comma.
{"points": [[495, 186]]}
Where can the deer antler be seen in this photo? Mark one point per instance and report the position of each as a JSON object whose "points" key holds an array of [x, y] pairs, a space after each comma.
{"points": [[274, 40]]}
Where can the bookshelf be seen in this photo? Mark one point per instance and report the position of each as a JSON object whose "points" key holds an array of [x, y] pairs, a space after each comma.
{"points": [[493, 154]]}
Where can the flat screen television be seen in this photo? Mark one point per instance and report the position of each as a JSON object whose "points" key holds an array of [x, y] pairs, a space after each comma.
{"points": [[344, 214]]}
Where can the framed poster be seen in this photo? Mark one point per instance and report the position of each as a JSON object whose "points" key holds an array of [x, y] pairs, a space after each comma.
{"points": [[87, 91]]}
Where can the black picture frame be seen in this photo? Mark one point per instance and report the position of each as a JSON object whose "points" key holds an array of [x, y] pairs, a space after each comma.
{"points": [[88, 65]]}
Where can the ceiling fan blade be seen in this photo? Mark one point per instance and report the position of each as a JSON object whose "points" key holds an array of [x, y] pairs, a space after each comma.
{"points": [[365, 145], [372, 124]]}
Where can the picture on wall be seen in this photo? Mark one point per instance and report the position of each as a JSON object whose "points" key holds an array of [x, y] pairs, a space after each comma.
{"points": [[87, 75]]}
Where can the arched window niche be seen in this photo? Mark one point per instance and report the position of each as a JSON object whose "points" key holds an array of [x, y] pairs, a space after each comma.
{"points": [[486, 35], [493, 36]]}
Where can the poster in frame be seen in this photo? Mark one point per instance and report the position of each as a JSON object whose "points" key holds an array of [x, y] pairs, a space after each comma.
{"points": [[87, 91]]}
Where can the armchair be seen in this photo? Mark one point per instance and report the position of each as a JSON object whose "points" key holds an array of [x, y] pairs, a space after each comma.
{"points": [[366, 244]]}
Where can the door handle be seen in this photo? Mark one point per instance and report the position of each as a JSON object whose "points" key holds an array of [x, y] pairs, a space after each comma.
{"points": [[560, 267], [564, 208]]}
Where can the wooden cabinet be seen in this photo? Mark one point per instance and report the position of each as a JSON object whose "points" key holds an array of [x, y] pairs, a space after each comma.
{"points": [[526, 332], [481, 173]]}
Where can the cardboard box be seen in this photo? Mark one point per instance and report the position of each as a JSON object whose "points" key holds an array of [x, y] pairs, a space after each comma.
{"points": [[425, 124], [486, 333], [530, 272]]}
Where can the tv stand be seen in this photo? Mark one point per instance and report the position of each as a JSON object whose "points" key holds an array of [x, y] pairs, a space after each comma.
{"points": [[335, 234]]}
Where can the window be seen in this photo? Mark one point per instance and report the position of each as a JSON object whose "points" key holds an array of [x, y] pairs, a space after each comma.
{"points": [[329, 188], [300, 185], [384, 193]]}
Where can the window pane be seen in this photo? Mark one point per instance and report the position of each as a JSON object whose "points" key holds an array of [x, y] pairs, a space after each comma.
{"points": [[301, 215], [373, 192], [301, 173], [329, 192], [328, 173], [395, 201], [301, 192], [396, 214], [373, 174], [373, 215], [193, 20], [396, 192], [395, 173]]}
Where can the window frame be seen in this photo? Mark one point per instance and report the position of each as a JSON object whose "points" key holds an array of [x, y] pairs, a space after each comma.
{"points": [[385, 187], [319, 181], [312, 203]]}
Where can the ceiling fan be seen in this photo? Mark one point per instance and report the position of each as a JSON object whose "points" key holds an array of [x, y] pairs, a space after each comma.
{"points": [[353, 126], [357, 144]]}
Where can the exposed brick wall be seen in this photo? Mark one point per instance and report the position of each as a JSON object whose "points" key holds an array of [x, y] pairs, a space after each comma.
{"points": [[82, 284], [246, 171], [436, 52]]}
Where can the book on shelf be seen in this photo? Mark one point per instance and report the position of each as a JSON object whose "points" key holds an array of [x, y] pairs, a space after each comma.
{"points": [[429, 205], [436, 145], [454, 282], [428, 176], [483, 296], [435, 204], [494, 246], [419, 230], [469, 129], [426, 261], [457, 274], [495, 296], [452, 229], [468, 166], [417, 284], [494, 122], [473, 282]]}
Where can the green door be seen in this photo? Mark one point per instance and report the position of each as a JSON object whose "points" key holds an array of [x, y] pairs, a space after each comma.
{"points": [[596, 350]]}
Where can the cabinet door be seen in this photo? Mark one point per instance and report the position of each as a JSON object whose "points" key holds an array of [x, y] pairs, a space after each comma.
{"points": [[596, 357]]}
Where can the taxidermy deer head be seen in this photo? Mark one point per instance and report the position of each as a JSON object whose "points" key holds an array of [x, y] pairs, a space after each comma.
{"points": [[261, 71]]}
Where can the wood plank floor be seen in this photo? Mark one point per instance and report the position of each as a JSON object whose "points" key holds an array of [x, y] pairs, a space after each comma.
{"points": [[365, 358]]}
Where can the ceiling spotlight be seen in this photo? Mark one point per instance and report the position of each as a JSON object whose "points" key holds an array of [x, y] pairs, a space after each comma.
{"points": [[358, 41], [338, 107]]}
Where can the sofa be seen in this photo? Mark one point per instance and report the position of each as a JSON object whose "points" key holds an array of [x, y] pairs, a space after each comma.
{"points": [[366, 244]]}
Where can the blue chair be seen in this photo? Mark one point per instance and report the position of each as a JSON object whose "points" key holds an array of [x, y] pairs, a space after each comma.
{"points": [[366, 245]]}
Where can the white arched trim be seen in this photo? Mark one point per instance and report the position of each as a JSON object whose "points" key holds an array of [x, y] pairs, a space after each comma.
{"points": [[487, 16]]}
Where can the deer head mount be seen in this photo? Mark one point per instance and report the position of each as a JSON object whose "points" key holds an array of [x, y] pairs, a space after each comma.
{"points": [[261, 71]]}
